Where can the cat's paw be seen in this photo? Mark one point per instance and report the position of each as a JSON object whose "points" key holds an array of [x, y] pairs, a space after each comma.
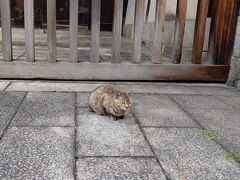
{"points": [[113, 118]]}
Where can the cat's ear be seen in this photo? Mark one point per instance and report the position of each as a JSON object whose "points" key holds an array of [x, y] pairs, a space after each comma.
{"points": [[130, 94]]}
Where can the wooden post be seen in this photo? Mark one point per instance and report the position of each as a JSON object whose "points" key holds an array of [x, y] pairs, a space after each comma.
{"points": [[159, 30], [73, 31], [95, 30], [51, 26], [117, 30], [179, 30], [223, 30], [6, 30], [199, 34], [138, 30], [29, 29]]}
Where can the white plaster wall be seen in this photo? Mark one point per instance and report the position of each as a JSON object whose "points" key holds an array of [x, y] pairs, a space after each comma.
{"points": [[171, 9]]}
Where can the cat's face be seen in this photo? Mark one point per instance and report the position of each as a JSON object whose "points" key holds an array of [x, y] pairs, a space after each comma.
{"points": [[123, 101]]}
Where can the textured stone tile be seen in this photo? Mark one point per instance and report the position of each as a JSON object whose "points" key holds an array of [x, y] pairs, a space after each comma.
{"points": [[198, 101], [46, 109], [100, 136], [3, 85], [225, 123], [157, 110], [82, 99], [9, 101], [119, 168], [186, 154], [232, 102], [37, 153]]}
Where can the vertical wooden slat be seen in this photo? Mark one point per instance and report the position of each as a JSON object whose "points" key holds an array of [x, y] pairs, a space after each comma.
{"points": [[179, 30], [51, 26], [199, 34], [222, 32], [73, 30], [138, 30], [158, 30], [29, 29], [6, 30], [117, 30], [95, 30]]}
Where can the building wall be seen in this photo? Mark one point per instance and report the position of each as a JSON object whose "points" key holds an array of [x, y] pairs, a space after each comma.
{"points": [[171, 10]]}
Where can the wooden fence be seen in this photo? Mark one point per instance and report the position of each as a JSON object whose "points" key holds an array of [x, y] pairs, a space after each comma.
{"points": [[221, 41]]}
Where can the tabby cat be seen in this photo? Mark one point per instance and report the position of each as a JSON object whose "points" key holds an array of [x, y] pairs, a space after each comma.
{"points": [[105, 100]]}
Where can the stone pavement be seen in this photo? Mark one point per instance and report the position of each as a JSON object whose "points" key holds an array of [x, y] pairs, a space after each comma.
{"points": [[47, 132]]}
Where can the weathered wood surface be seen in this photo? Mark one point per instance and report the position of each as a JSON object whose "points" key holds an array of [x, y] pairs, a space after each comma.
{"points": [[29, 29], [138, 30], [95, 30], [222, 31], [159, 31], [117, 30], [199, 34], [73, 30], [6, 30], [179, 30], [51, 26], [113, 71]]}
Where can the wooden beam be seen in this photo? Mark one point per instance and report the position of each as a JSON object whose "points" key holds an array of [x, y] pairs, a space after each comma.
{"points": [[179, 30], [138, 30], [29, 29], [95, 30], [73, 31], [159, 30], [223, 30], [51, 26], [199, 34], [117, 31], [6, 30], [113, 71]]}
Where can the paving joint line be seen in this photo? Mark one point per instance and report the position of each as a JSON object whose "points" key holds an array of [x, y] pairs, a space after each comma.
{"points": [[120, 157], [14, 114], [7, 86], [171, 127], [36, 126], [145, 138], [75, 136], [202, 127]]}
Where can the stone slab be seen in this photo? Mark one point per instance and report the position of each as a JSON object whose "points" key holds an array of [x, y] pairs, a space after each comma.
{"points": [[3, 85], [199, 101], [119, 168], [186, 154], [37, 153], [51, 86], [101, 136], [9, 101], [224, 122], [46, 109], [232, 102], [82, 99], [160, 110], [161, 88]]}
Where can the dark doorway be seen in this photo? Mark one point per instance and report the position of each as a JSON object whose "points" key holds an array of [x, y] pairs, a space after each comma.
{"points": [[62, 11], [107, 8]]}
